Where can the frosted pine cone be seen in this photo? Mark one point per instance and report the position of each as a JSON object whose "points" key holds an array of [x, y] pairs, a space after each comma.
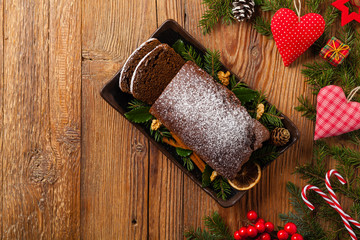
{"points": [[243, 9]]}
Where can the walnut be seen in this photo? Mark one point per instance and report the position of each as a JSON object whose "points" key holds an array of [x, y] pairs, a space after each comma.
{"points": [[260, 111], [224, 77], [214, 174], [155, 124]]}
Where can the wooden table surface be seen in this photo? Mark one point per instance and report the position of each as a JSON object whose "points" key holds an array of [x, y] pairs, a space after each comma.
{"points": [[72, 167]]}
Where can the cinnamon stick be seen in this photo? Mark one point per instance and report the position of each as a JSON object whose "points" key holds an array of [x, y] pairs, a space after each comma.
{"points": [[176, 142]]}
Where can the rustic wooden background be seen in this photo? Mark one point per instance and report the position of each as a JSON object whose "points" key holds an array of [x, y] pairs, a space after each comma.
{"points": [[72, 167]]}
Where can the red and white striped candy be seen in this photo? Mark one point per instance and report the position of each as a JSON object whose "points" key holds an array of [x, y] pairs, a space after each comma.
{"points": [[333, 202], [333, 196]]}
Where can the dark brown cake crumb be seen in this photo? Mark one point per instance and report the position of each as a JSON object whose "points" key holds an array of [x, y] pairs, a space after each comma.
{"points": [[154, 72], [132, 62]]}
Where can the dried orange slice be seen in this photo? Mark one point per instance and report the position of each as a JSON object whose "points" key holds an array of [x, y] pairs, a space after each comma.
{"points": [[247, 177]]}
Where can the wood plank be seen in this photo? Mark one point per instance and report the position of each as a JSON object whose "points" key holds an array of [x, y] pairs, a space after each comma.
{"points": [[165, 198], [165, 179], [254, 59], [42, 151], [1, 109], [65, 114], [115, 156], [114, 165], [28, 160]]}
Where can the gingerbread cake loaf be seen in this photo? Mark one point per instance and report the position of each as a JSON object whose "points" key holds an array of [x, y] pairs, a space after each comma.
{"points": [[154, 72], [209, 119], [132, 62]]}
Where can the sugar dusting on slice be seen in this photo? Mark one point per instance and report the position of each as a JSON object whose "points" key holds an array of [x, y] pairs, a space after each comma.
{"points": [[208, 118]]}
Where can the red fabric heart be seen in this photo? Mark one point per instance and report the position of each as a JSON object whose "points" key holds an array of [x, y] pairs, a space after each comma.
{"points": [[292, 37], [335, 115]]}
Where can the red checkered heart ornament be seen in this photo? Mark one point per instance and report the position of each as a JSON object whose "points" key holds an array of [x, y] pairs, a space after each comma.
{"points": [[334, 114], [294, 37]]}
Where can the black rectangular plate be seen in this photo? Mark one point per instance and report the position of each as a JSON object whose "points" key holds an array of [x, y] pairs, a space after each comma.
{"points": [[169, 32]]}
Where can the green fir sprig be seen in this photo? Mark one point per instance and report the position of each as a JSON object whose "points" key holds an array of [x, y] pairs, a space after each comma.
{"points": [[217, 11], [222, 187], [307, 108], [212, 64], [216, 229], [263, 26], [188, 52]]}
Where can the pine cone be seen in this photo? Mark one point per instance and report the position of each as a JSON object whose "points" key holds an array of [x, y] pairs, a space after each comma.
{"points": [[280, 136], [243, 9]]}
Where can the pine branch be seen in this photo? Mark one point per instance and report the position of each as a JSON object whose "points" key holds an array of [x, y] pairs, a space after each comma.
{"points": [[222, 187], [331, 14], [307, 109], [218, 10], [271, 118], [319, 75], [212, 64], [198, 234], [188, 52], [265, 155], [353, 137], [345, 155], [217, 227], [160, 133], [134, 104], [274, 5], [313, 5], [262, 26]]}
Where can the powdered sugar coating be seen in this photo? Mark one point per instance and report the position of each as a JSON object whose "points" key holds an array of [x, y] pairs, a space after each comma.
{"points": [[208, 118]]}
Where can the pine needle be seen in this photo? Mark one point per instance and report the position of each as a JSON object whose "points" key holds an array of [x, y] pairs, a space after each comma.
{"points": [[198, 234], [215, 224], [271, 118], [212, 64], [216, 229], [217, 10], [263, 26], [188, 52], [307, 109], [222, 187]]}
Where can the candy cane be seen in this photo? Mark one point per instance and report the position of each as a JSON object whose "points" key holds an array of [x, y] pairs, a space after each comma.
{"points": [[331, 203], [333, 196]]}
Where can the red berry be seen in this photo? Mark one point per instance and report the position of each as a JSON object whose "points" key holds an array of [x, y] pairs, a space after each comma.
{"points": [[237, 235], [251, 231], [265, 236], [260, 227], [252, 216], [290, 228], [282, 235], [260, 220], [297, 236], [269, 227], [243, 232]]}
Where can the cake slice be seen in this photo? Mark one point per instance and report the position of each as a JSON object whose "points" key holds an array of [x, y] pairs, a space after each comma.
{"points": [[209, 119], [132, 62], [154, 72]]}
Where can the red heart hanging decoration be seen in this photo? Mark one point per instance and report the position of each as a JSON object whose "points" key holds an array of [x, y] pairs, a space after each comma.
{"points": [[292, 37], [335, 115]]}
